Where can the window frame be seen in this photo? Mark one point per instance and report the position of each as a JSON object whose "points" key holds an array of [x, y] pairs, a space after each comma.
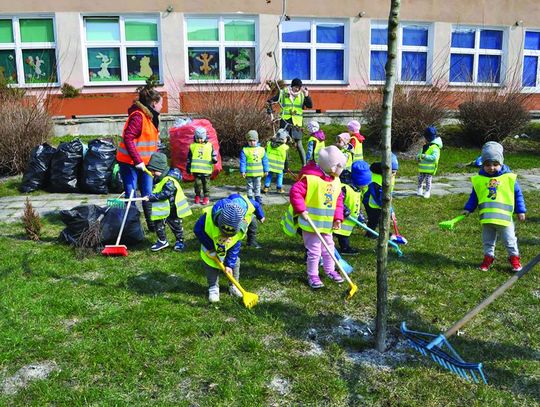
{"points": [[428, 49], [18, 46], [313, 46], [221, 44], [477, 51], [122, 44], [530, 53]]}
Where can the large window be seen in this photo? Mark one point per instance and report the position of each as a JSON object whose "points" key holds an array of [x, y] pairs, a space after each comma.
{"points": [[221, 49], [314, 50], [531, 53], [476, 56], [121, 49], [413, 59], [28, 51]]}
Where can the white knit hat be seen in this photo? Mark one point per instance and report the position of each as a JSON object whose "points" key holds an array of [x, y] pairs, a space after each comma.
{"points": [[331, 160], [313, 126]]}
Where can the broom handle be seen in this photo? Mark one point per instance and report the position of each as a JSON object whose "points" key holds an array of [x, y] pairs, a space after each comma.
{"points": [[345, 275], [124, 218], [496, 294]]}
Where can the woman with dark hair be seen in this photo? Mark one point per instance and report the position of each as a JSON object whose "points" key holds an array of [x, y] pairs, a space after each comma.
{"points": [[140, 139]]}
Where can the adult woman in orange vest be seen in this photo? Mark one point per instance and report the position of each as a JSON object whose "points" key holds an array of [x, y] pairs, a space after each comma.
{"points": [[140, 139], [292, 101]]}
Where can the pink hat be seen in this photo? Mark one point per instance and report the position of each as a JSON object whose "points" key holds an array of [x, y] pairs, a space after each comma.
{"points": [[354, 126], [331, 160], [344, 138]]}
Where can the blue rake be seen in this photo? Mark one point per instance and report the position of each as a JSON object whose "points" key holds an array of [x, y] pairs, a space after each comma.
{"points": [[438, 347], [365, 227]]}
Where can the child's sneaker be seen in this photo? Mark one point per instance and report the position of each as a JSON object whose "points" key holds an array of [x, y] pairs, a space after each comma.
{"points": [[348, 250], [197, 199], [213, 294], [159, 245], [486, 264], [179, 246], [280, 190], [235, 292], [420, 192], [315, 282], [265, 189], [427, 194], [335, 276], [516, 263], [205, 200]]}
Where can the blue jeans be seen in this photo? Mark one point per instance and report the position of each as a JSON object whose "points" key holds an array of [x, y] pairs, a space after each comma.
{"points": [[279, 179], [135, 180]]}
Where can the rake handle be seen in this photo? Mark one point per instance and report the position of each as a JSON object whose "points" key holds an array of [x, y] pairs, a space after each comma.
{"points": [[496, 294], [345, 275], [367, 228], [124, 218], [229, 275]]}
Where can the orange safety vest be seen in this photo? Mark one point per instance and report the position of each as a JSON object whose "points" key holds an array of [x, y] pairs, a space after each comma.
{"points": [[146, 143]]}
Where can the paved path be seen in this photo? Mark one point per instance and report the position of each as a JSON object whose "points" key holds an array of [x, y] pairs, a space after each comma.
{"points": [[11, 207]]}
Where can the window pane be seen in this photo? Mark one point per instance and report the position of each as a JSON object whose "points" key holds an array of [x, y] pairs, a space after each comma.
{"points": [[532, 40], [413, 66], [463, 38], [379, 36], [489, 68], [6, 31], [376, 69], [239, 30], [330, 33], [461, 66], [414, 35], [203, 63], [142, 29], [296, 64], [142, 63], [491, 39], [530, 69], [202, 29], [296, 31], [240, 63], [36, 30], [329, 65], [102, 29], [8, 69], [39, 66], [104, 64]]}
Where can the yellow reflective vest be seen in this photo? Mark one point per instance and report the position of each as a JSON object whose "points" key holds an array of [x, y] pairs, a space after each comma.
{"points": [[358, 150], [276, 157], [353, 201], [201, 158], [317, 146], [427, 166], [292, 109], [495, 198], [321, 200], [254, 157], [377, 180], [162, 209]]}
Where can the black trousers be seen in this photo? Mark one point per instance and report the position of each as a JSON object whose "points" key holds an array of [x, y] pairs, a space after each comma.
{"points": [[174, 223]]}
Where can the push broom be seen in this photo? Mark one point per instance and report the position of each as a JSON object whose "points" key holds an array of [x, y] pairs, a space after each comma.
{"points": [[373, 232], [119, 249], [440, 350], [353, 287]]}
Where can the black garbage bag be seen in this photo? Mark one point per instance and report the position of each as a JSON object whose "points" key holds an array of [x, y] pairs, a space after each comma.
{"points": [[35, 175], [116, 185], [97, 167], [110, 226], [65, 167], [77, 220]]}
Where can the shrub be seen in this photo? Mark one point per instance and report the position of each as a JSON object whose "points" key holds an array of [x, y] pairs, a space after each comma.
{"points": [[493, 115], [69, 91], [31, 221], [413, 110], [25, 124]]}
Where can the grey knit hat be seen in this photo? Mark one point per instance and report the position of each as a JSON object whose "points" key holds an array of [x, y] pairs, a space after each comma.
{"points": [[252, 135], [492, 151], [158, 162], [230, 219], [282, 136], [200, 133]]}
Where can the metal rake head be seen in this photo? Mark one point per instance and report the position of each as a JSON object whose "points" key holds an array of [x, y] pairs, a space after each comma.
{"points": [[439, 349]]}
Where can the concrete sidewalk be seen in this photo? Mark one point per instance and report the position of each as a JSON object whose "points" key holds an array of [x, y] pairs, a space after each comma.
{"points": [[12, 207]]}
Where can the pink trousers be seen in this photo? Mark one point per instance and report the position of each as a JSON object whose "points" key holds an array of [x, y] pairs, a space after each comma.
{"points": [[315, 250]]}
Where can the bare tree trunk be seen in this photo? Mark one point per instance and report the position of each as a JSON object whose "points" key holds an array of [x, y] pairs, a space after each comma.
{"points": [[384, 224]]}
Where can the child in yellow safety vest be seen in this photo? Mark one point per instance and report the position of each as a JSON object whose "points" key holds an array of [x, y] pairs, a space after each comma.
{"points": [[357, 139], [200, 163], [428, 160], [277, 152], [343, 142], [496, 192], [253, 165], [169, 205], [352, 204], [315, 141], [318, 195]]}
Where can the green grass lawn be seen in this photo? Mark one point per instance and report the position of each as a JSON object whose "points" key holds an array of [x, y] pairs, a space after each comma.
{"points": [[139, 330]]}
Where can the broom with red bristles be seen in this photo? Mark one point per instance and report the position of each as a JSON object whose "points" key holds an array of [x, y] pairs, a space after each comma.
{"points": [[119, 249]]}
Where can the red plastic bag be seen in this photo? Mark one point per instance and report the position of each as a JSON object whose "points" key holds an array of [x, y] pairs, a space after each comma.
{"points": [[180, 139]]}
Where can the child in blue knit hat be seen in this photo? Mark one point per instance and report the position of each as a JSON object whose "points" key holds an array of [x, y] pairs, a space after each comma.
{"points": [[428, 160]]}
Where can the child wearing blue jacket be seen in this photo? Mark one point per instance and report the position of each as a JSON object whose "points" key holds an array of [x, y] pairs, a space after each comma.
{"points": [[496, 192], [253, 165]]}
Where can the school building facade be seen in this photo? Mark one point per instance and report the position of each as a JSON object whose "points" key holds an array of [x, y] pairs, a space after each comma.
{"points": [[200, 48]]}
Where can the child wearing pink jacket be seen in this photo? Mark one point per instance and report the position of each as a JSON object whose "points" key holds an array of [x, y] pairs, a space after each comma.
{"points": [[318, 195]]}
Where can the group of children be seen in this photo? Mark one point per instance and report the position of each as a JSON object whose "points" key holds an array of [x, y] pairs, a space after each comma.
{"points": [[329, 194]]}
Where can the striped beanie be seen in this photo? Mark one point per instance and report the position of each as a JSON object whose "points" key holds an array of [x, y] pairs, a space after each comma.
{"points": [[230, 219]]}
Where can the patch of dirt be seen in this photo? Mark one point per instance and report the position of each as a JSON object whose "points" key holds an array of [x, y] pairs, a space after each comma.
{"points": [[536, 294], [70, 323], [91, 275], [267, 294], [26, 374], [280, 386], [349, 327], [396, 353], [312, 349]]}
